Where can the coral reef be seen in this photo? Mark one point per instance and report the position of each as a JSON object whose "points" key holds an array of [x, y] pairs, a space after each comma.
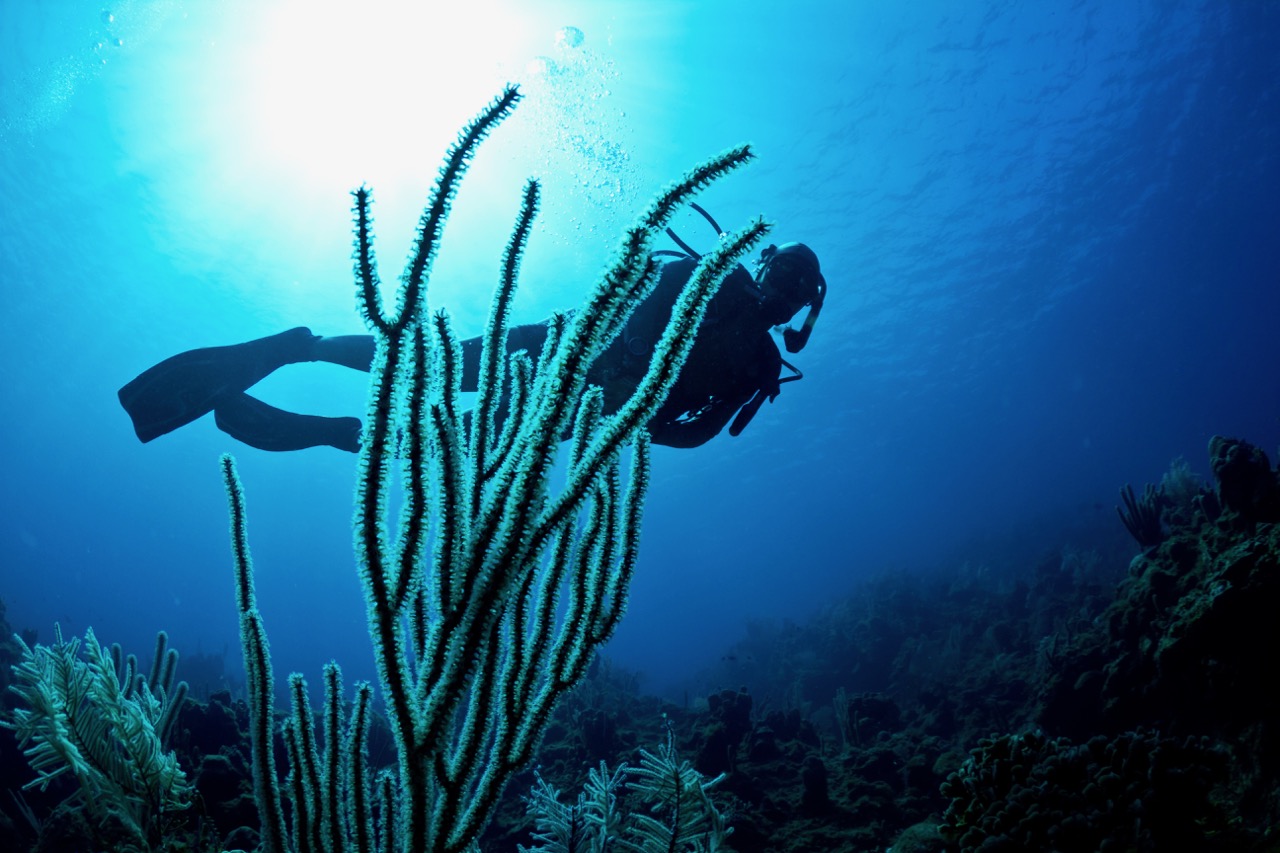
{"points": [[1141, 515], [1246, 484], [1183, 644], [1089, 701], [94, 718], [488, 595], [1136, 791], [661, 804]]}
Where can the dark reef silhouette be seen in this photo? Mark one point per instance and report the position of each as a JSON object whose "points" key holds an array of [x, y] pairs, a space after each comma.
{"points": [[1069, 703]]}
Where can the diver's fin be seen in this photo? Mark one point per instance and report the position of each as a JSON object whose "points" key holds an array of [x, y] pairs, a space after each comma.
{"points": [[180, 389], [265, 427]]}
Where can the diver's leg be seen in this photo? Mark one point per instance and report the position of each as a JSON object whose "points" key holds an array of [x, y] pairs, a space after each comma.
{"points": [[265, 427], [188, 385], [354, 351], [529, 337]]}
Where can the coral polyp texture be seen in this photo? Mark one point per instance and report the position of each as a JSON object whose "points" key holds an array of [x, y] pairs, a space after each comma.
{"points": [[94, 718], [489, 592]]}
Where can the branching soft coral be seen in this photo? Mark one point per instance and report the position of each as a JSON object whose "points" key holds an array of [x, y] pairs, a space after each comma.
{"points": [[78, 718], [674, 810]]}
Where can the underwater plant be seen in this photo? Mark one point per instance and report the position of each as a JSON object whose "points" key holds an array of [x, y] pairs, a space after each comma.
{"points": [[672, 810], [98, 720], [1141, 515], [488, 595]]}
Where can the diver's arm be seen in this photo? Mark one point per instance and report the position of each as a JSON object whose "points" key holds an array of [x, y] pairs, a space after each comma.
{"points": [[696, 430]]}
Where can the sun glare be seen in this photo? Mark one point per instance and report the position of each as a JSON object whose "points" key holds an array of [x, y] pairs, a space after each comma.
{"points": [[339, 95], [271, 113]]}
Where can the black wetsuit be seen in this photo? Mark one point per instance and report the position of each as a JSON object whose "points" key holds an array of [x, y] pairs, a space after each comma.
{"points": [[733, 359], [733, 367]]}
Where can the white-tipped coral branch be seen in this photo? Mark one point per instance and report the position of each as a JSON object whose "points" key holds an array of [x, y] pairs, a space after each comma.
{"points": [[488, 595]]}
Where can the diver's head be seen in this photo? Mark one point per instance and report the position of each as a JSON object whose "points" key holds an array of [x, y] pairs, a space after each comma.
{"points": [[789, 278]]}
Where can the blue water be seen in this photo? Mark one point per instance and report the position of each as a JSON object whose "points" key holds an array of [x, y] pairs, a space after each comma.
{"points": [[1051, 233]]}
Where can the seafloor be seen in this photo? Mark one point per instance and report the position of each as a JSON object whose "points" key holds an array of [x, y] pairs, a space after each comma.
{"points": [[1073, 698]]}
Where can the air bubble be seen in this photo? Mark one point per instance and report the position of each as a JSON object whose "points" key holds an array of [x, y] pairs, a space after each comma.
{"points": [[569, 37], [541, 66]]}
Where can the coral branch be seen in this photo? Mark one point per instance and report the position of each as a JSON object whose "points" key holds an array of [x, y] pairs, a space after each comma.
{"points": [[476, 641]]}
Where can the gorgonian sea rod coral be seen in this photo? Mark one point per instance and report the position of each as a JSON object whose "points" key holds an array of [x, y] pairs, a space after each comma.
{"points": [[488, 594]]}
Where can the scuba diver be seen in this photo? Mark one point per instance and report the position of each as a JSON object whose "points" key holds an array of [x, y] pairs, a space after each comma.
{"points": [[733, 367]]}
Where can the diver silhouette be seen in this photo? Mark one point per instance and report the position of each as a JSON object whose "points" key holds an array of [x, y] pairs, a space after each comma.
{"points": [[733, 367]]}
